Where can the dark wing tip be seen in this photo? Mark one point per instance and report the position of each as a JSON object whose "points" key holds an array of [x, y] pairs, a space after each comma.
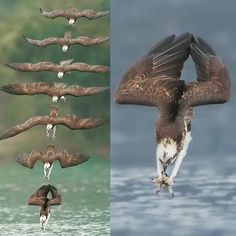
{"points": [[202, 45], [41, 10], [10, 88]]}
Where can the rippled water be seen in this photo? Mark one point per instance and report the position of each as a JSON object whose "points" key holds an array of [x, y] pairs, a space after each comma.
{"points": [[204, 202], [85, 200]]}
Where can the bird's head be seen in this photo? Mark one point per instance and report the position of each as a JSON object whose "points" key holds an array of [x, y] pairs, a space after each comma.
{"points": [[55, 99], [65, 48], [71, 22], [44, 219], [60, 75], [49, 127]]}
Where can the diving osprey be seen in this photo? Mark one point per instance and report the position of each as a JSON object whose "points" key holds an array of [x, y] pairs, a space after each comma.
{"points": [[71, 121], [155, 81], [57, 91], [64, 67], [73, 14], [66, 159], [67, 41], [40, 198]]}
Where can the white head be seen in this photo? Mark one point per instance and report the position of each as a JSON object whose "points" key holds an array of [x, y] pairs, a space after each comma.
{"points": [[60, 75], [65, 48], [55, 99], [49, 127], [71, 21], [43, 221]]}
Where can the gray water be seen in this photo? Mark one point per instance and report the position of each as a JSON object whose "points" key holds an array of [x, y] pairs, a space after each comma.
{"points": [[205, 191]]}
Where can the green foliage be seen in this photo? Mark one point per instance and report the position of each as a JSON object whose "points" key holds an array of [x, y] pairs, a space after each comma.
{"points": [[23, 18]]}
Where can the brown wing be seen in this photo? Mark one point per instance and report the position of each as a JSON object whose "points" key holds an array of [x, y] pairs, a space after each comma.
{"points": [[87, 41], [91, 14], [53, 14], [29, 67], [154, 80], [213, 78], [27, 89], [83, 67], [56, 197], [44, 42], [37, 120], [74, 122], [29, 160], [68, 160], [40, 196], [76, 90]]}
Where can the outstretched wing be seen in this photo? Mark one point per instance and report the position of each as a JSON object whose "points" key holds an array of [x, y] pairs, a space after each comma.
{"points": [[213, 81], [56, 197], [154, 80], [29, 160], [27, 89], [83, 67], [67, 160], [87, 41], [53, 14], [76, 90], [74, 122], [42, 43], [91, 14], [37, 120], [40, 196], [29, 67]]}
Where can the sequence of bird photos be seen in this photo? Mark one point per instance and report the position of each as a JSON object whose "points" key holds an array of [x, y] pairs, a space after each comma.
{"points": [[48, 195]]}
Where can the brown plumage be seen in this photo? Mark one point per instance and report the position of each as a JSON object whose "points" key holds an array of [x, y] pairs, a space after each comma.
{"points": [[51, 155], [57, 90], [71, 121], [40, 198], [64, 67], [67, 41], [155, 81], [73, 14]]}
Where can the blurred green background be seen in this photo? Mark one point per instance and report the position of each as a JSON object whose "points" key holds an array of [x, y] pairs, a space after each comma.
{"points": [[23, 18]]}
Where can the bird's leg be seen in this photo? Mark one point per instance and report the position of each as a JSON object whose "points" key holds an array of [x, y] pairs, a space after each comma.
{"points": [[54, 132], [47, 133]]}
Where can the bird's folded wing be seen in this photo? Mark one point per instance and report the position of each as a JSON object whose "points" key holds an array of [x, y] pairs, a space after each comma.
{"points": [[37, 120], [56, 197], [163, 62], [83, 67], [27, 89], [213, 80], [29, 67], [76, 90], [67, 160], [74, 122], [38, 198], [28, 160]]}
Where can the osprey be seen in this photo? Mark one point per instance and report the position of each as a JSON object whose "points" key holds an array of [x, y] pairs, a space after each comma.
{"points": [[155, 81], [73, 14], [71, 121], [67, 41], [40, 198], [48, 158], [64, 67], [56, 91]]}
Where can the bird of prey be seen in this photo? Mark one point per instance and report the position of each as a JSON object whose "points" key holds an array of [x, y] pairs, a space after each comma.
{"points": [[67, 41], [66, 159], [155, 81], [71, 121], [64, 67], [40, 198], [73, 14], [57, 91]]}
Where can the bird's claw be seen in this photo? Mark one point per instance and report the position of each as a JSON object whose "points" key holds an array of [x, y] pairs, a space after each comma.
{"points": [[164, 181]]}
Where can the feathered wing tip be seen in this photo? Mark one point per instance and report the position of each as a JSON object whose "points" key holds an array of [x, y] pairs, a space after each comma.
{"points": [[11, 65], [12, 89]]}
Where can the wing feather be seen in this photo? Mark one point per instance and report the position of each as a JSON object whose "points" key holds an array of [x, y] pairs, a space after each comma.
{"points": [[87, 41], [40, 196], [83, 67], [213, 78], [53, 14], [44, 42], [29, 160], [56, 197]]}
